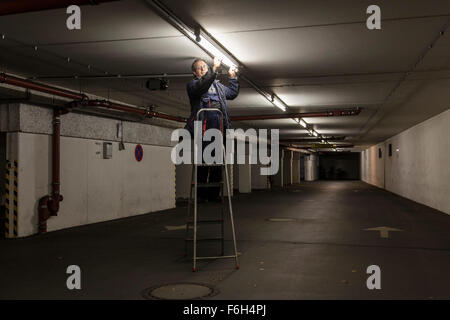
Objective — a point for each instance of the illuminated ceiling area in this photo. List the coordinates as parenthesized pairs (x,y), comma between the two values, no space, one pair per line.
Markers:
(295,57)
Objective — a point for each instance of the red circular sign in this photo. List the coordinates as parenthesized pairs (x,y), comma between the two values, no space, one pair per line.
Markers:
(139,152)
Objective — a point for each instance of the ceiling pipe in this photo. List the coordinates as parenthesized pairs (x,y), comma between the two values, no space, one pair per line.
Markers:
(332,138)
(144,112)
(81,98)
(323,146)
(18,82)
(8,7)
(331,113)
(49,204)
(117,76)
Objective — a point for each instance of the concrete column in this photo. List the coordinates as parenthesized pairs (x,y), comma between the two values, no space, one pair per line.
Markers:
(259,181)
(287,167)
(296,168)
(278,178)
(245,178)
(311,168)
(183,176)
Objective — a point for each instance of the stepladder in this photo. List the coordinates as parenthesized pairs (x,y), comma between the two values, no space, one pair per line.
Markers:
(215,213)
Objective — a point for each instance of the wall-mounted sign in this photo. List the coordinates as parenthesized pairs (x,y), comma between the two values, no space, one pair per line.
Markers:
(139,152)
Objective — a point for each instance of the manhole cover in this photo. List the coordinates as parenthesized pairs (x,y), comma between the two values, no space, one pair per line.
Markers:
(179,291)
(281,219)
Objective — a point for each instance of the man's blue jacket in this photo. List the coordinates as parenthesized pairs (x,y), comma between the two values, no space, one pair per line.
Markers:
(201,96)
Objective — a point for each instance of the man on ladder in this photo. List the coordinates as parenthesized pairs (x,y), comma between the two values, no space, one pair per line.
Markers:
(206,92)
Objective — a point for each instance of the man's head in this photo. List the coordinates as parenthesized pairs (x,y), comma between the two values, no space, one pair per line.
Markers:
(199,68)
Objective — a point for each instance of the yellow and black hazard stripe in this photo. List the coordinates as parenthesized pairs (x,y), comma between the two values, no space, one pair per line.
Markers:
(7,184)
(16,195)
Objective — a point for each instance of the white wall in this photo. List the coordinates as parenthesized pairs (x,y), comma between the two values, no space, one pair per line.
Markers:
(94,189)
(420,169)
(372,167)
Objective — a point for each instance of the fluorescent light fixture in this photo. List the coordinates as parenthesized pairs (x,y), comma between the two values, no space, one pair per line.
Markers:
(278,103)
(302,123)
(215,52)
(314,134)
(323,141)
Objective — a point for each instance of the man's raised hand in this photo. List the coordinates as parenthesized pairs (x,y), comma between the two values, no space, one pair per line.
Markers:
(216,64)
(232,72)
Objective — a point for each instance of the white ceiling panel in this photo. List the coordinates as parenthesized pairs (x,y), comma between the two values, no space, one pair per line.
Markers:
(170,55)
(336,49)
(235,15)
(339,95)
(129,19)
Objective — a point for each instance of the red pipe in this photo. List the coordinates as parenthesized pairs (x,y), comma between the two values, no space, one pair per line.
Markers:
(8,79)
(332,113)
(121,107)
(49,204)
(292,140)
(22,6)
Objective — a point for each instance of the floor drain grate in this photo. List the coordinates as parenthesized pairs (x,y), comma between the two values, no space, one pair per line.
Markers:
(282,219)
(179,291)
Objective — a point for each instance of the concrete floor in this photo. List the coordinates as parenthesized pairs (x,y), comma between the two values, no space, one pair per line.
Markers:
(323,254)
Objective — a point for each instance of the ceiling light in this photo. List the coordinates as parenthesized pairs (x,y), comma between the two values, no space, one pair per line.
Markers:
(302,123)
(207,45)
(315,134)
(278,103)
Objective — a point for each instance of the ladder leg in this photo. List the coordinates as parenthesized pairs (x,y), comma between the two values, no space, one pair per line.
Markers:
(194,268)
(231,209)
(222,219)
(189,212)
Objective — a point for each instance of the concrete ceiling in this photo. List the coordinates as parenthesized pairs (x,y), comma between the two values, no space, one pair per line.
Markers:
(315,55)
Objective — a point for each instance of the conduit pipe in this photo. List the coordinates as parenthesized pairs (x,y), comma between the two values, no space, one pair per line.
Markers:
(331,113)
(82,98)
(144,112)
(49,204)
(22,6)
(306,139)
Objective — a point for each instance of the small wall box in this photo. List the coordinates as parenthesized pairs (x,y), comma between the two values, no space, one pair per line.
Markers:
(107,150)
